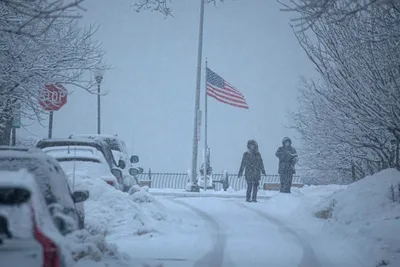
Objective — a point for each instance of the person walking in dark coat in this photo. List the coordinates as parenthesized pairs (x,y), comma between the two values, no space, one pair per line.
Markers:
(287,160)
(253,166)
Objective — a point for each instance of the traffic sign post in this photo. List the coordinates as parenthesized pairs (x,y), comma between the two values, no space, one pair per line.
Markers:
(50,125)
(52,98)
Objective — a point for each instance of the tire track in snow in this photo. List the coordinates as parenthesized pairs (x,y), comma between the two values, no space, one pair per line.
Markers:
(308,259)
(215,256)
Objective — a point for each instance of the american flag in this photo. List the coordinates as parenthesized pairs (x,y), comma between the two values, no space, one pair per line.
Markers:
(222,91)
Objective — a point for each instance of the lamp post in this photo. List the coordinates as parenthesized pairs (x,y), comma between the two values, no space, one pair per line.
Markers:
(98,75)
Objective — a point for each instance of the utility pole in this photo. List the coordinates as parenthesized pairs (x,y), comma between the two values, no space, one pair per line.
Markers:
(194,185)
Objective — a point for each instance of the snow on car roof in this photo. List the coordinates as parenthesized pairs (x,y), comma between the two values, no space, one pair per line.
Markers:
(26,149)
(96,135)
(68,140)
(98,143)
(15,153)
(77,152)
(113,141)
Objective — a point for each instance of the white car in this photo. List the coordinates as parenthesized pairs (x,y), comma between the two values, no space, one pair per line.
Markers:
(118,147)
(82,161)
(53,183)
(120,153)
(28,236)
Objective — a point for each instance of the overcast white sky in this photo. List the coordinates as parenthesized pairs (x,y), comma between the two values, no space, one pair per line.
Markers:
(153,77)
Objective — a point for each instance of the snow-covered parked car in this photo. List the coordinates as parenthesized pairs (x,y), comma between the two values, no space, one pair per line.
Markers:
(82,161)
(28,236)
(100,145)
(118,147)
(65,206)
(121,155)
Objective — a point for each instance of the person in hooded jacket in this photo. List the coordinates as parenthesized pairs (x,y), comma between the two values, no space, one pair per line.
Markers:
(253,166)
(287,156)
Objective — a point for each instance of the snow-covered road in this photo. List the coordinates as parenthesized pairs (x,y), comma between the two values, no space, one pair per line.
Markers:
(327,226)
(217,232)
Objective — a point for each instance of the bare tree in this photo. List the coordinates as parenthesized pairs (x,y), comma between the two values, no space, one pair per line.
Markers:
(348,120)
(312,10)
(162,6)
(36,16)
(63,53)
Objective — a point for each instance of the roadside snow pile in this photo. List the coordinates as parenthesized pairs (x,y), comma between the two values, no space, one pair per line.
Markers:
(369,210)
(360,218)
(300,204)
(93,250)
(111,212)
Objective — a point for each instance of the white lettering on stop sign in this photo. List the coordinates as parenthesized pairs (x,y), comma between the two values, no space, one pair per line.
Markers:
(53,97)
(62,94)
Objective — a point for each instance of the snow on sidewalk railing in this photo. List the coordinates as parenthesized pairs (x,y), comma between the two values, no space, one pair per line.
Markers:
(179,180)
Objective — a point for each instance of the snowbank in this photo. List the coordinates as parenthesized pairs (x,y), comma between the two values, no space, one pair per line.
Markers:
(361,214)
(93,250)
(109,211)
(366,211)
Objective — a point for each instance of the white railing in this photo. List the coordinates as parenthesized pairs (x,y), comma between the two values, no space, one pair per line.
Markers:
(179,180)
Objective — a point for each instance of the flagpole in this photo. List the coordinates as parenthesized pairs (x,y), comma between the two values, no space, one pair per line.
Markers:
(194,185)
(205,130)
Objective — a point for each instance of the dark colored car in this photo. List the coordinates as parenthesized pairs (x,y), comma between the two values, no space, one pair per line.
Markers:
(52,182)
(100,145)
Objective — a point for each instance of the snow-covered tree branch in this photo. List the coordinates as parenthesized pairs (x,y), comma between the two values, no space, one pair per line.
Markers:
(62,53)
(349,120)
(35,17)
(334,10)
(162,6)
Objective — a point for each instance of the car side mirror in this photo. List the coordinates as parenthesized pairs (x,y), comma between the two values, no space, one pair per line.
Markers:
(121,164)
(116,172)
(134,159)
(133,171)
(140,169)
(11,195)
(80,196)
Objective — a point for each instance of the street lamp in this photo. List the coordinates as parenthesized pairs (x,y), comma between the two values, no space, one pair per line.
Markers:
(98,75)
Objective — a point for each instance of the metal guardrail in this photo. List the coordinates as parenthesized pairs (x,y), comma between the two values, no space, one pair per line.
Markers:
(179,180)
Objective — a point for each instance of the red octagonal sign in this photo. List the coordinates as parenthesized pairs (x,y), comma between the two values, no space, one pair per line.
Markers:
(53,97)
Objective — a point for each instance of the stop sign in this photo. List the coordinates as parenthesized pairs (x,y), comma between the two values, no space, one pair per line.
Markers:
(52,97)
